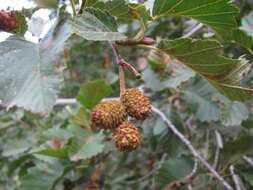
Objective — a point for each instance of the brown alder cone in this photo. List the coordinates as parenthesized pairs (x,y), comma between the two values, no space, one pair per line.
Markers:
(108,115)
(8,21)
(126,137)
(136,103)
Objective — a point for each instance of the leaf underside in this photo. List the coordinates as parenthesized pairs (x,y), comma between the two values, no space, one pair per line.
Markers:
(204,57)
(96,25)
(27,80)
(118,8)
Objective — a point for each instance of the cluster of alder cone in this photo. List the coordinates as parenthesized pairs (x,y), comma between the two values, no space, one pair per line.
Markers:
(114,115)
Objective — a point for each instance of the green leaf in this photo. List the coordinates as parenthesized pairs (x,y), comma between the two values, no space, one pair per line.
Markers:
(247,175)
(39,179)
(96,25)
(43,177)
(248,124)
(159,127)
(26,79)
(92,146)
(234,113)
(207,110)
(219,15)
(87,147)
(243,38)
(173,170)
(13,165)
(121,9)
(154,81)
(118,8)
(211,106)
(47,3)
(247,22)
(17,146)
(93,92)
(233,150)
(57,153)
(22,25)
(84,144)
(204,57)
(59,133)
(141,13)
(82,118)
(28,71)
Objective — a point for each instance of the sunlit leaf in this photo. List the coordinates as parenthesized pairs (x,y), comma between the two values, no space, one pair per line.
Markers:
(219,15)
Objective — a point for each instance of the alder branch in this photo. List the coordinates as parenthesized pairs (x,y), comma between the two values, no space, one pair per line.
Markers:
(65,101)
(193,173)
(192,149)
(122,80)
(217,152)
(132,42)
(83,5)
(179,135)
(152,172)
(219,142)
(186,180)
(236,178)
(121,62)
(73,7)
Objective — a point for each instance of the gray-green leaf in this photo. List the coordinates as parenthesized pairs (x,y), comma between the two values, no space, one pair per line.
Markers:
(93,92)
(96,25)
(173,170)
(28,80)
(204,57)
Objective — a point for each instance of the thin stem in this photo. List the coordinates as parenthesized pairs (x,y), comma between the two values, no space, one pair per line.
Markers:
(248,160)
(235,178)
(152,172)
(120,61)
(132,42)
(122,80)
(192,149)
(73,7)
(141,32)
(250,51)
(129,67)
(83,5)
(187,143)
(219,146)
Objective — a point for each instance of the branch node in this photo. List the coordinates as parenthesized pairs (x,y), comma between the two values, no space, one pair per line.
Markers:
(132,42)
